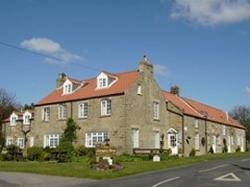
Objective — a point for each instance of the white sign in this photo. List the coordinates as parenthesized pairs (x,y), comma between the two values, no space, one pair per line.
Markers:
(156,158)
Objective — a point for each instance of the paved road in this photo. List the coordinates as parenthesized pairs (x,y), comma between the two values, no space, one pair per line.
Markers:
(231,172)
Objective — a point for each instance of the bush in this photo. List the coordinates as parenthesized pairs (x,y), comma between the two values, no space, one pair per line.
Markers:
(34,153)
(224,149)
(211,150)
(84,151)
(192,153)
(65,151)
(14,153)
(237,149)
(130,158)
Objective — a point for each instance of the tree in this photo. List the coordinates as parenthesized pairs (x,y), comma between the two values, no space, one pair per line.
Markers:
(7,105)
(69,134)
(242,114)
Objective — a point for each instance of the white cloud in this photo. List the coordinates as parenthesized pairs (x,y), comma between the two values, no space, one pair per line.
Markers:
(161,70)
(48,47)
(211,12)
(248,90)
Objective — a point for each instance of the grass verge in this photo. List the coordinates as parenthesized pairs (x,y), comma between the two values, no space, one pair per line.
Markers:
(82,170)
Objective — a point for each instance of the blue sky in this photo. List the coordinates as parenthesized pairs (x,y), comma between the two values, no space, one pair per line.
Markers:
(203,46)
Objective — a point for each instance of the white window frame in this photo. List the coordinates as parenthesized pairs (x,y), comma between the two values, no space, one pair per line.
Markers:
(102,81)
(224,130)
(135,137)
(32,139)
(83,110)
(20,143)
(196,123)
(157,139)
(106,107)
(94,138)
(13,119)
(62,111)
(9,141)
(219,140)
(232,140)
(197,142)
(26,118)
(46,113)
(139,89)
(67,87)
(156,110)
(51,140)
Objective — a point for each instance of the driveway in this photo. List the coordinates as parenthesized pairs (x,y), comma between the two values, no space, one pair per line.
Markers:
(230,172)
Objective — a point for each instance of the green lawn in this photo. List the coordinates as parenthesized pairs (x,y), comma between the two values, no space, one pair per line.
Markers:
(82,170)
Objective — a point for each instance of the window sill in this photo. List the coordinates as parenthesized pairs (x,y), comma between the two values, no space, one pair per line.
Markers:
(156,119)
(105,116)
(62,119)
(82,118)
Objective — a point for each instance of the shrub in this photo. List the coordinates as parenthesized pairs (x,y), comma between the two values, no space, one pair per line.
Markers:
(211,150)
(14,152)
(65,151)
(34,153)
(84,151)
(237,149)
(224,149)
(192,153)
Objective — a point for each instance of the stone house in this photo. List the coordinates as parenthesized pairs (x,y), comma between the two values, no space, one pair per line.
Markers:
(132,111)
(17,129)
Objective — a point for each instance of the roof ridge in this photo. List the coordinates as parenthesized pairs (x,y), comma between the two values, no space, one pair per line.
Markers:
(215,108)
(190,106)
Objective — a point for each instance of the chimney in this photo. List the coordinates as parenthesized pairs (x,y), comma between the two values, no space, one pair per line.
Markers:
(227,116)
(60,79)
(146,67)
(175,90)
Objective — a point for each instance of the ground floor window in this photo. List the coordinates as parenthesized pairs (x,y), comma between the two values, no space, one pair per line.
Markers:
(20,142)
(51,140)
(9,141)
(93,138)
(135,138)
(157,139)
(197,142)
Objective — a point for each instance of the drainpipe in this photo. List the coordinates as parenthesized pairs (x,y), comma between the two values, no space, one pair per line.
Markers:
(183,138)
(206,134)
(71,110)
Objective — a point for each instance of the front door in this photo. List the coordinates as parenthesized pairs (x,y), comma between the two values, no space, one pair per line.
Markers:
(172,141)
(214,144)
(229,144)
(157,139)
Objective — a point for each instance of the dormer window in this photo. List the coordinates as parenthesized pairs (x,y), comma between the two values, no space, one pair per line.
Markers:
(67,87)
(102,81)
(26,118)
(13,119)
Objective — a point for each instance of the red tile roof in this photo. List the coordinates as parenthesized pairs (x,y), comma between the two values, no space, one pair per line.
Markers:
(200,110)
(88,89)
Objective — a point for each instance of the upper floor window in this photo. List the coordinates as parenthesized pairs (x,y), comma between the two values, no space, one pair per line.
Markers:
(62,111)
(105,107)
(102,81)
(156,110)
(13,119)
(196,123)
(224,130)
(83,110)
(46,113)
(26,118)
(67,87)
(139,89)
